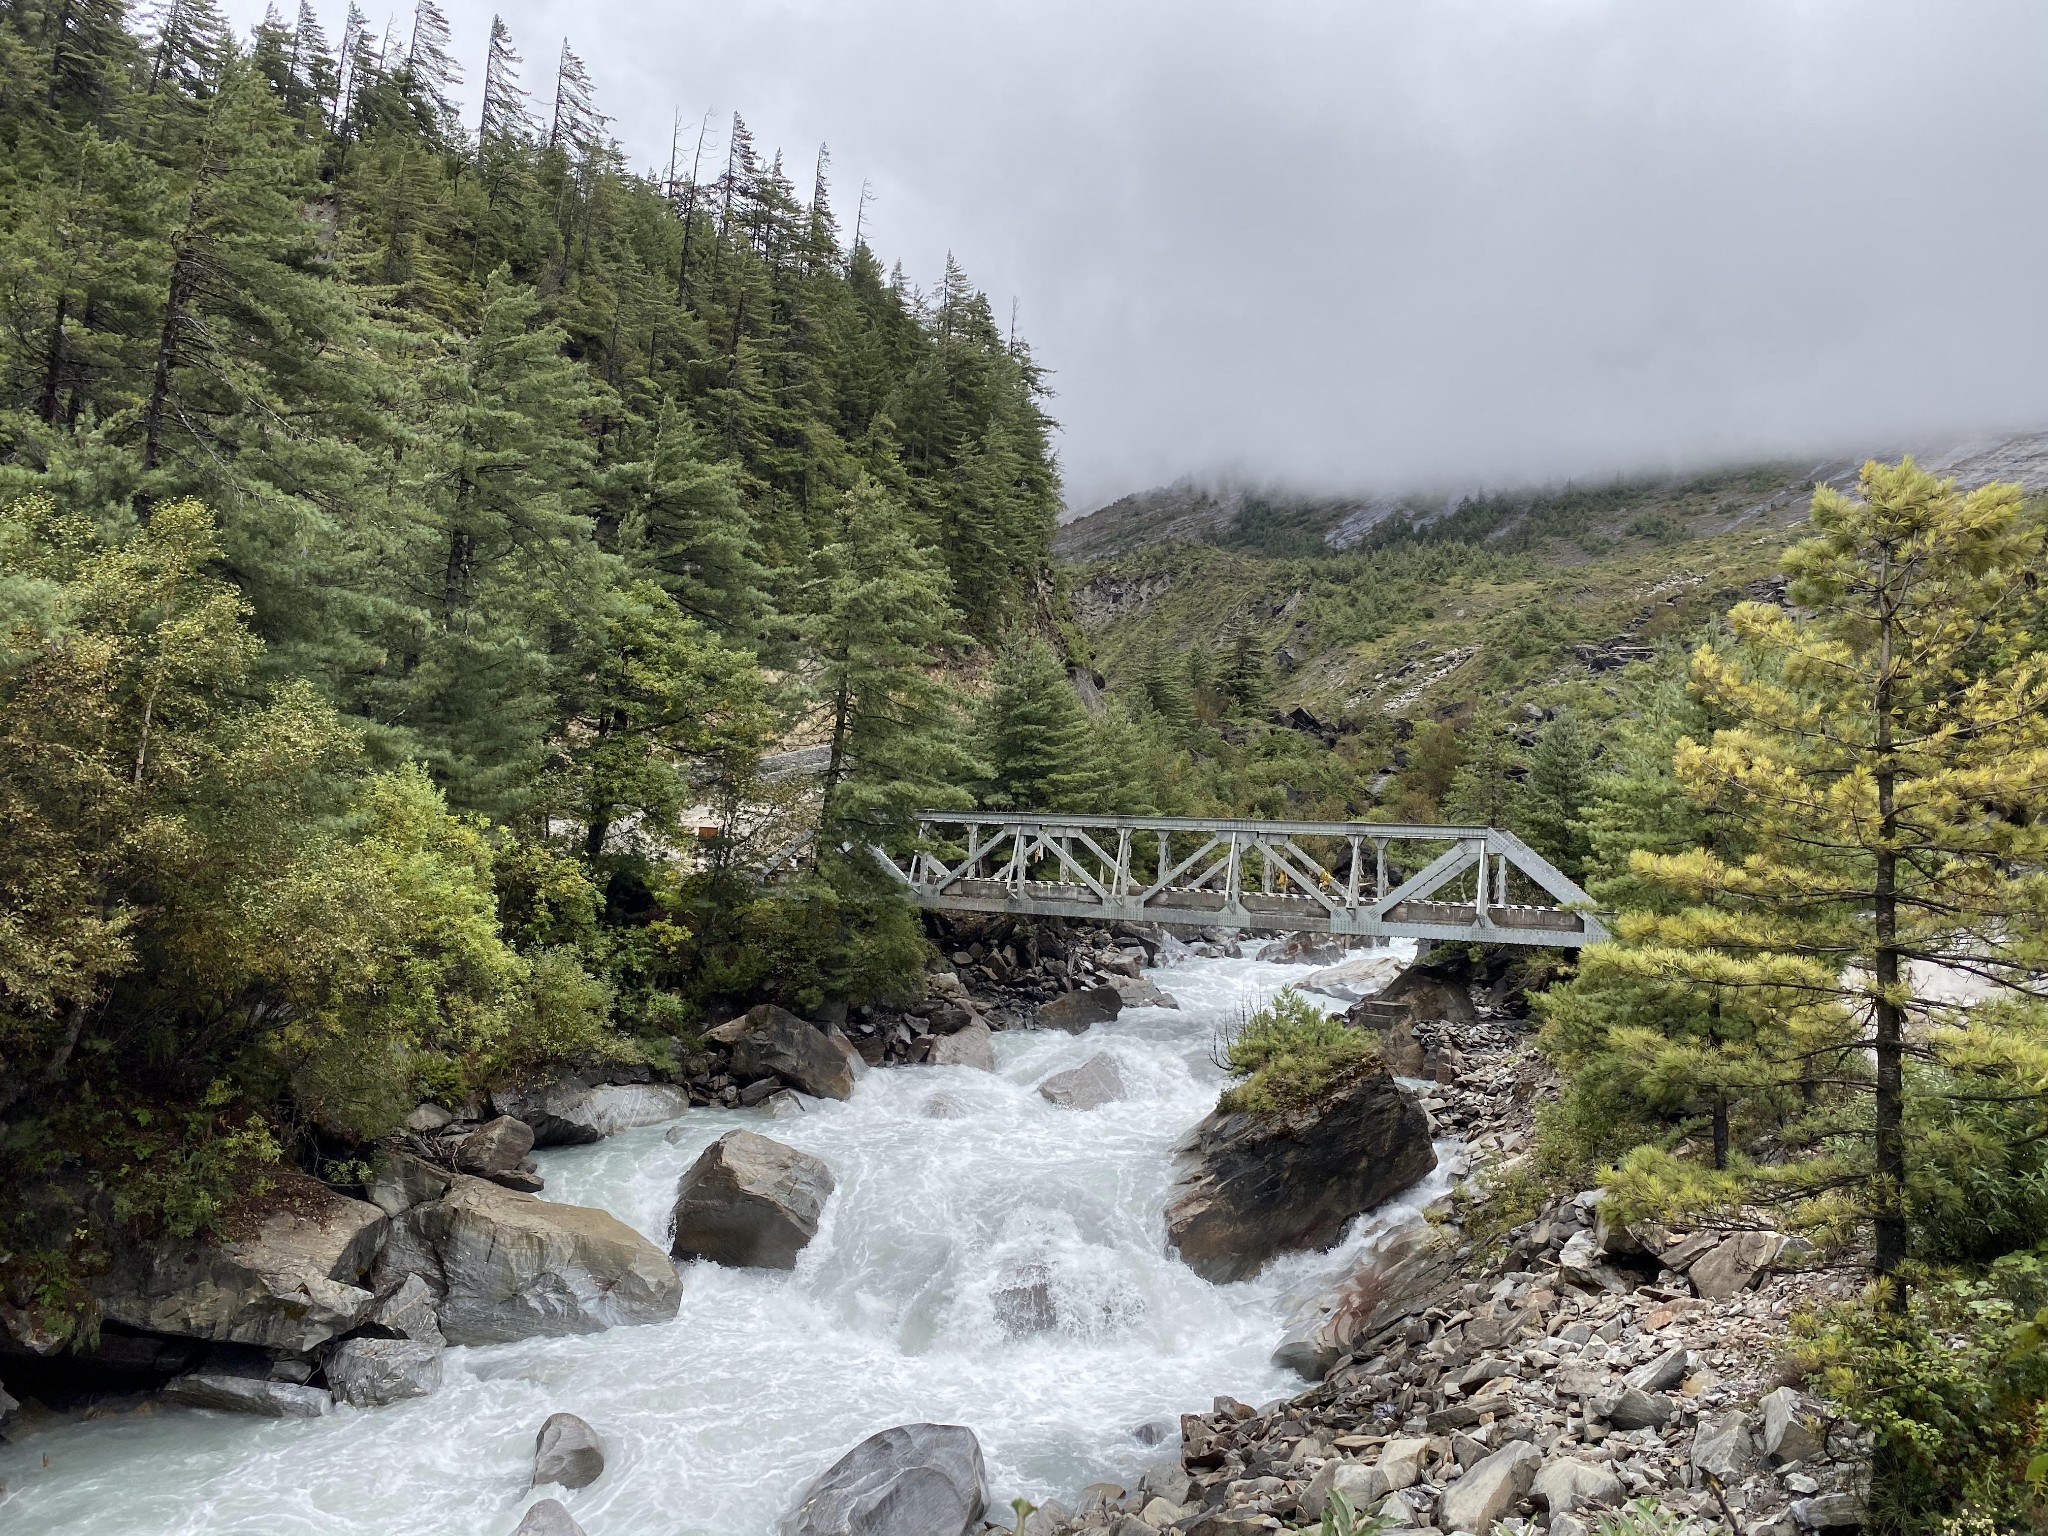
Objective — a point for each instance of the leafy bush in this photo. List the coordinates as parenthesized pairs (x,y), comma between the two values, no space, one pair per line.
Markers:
(1290,1053)
(1954,1393)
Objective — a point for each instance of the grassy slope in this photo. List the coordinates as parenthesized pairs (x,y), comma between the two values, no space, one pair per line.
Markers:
(1425,627)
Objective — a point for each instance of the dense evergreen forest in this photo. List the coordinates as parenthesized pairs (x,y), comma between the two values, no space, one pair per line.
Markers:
(416,530)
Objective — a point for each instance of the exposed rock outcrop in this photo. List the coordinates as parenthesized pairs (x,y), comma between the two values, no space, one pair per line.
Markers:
(913,1480)
(1251,1187)
(293,1283)
(768,1041)
(749,1202)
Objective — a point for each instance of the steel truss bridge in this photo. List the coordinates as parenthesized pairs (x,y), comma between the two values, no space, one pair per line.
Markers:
(1470,884)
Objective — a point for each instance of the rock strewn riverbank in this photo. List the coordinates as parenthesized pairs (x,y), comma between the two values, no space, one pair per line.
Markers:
(1552,1374)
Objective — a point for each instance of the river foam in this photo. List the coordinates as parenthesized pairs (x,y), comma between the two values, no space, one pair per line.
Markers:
(987,1259)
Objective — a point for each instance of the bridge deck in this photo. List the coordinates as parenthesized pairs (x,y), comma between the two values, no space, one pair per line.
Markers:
(1474,884)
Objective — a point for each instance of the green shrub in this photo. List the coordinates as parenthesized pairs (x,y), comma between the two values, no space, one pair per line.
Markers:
(1954,1394)
(1291,1053)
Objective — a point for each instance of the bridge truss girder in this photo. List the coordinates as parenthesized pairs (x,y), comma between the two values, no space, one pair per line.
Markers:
(1245,874)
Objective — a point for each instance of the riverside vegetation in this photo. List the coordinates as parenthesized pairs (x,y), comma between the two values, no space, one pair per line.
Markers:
(417,530)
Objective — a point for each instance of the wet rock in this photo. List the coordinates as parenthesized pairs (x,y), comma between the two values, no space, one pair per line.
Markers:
(1567,1484)
(498,1146)
(409,1312)
(749,1202)
(1354,979)
(371,1373)
(511,1266)
(1252,1187)
(770,1041)
(567,1451)
(1733,1264)
(973,1047)
(1721,1445)
(1490,1489)
(291,1284)
(1790,1432)
(1074,1012)
(572,1113)
(1396,1280)
(913,1480)
(1096,1082)
(1137,992)
(548,1518)
(1023,1301)
(246,1394)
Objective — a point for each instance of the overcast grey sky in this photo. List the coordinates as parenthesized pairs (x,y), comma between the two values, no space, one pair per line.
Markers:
(1351,245)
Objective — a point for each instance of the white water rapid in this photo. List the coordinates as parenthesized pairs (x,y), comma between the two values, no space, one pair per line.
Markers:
(951,1183)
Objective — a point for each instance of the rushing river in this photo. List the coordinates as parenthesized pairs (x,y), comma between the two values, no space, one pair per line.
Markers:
(953,1185)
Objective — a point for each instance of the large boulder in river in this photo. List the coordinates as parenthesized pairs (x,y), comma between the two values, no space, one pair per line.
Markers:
(972,1046)
(749,1203)
(567,1451)
(1396,1280)
(512,1266)
(1355,977)
(913,1480)
(768,1041)
(1074,1012)
(1091,1085)
(1253,1186)
(293,1283)
(569,1112)
(548,1518)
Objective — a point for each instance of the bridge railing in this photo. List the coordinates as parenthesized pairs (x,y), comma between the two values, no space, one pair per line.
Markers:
(1460,883)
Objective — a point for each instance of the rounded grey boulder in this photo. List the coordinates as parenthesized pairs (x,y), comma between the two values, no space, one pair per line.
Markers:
(1091,1085)
(913,1480)
(749,1203)
(548,1518)
(567,1451)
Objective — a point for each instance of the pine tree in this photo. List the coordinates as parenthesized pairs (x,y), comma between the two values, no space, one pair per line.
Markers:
(1037,739)
(575,121)
(502,550)
(1244,675)
(1485,791)
(876,617)
(1557,794)
(1882,753)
